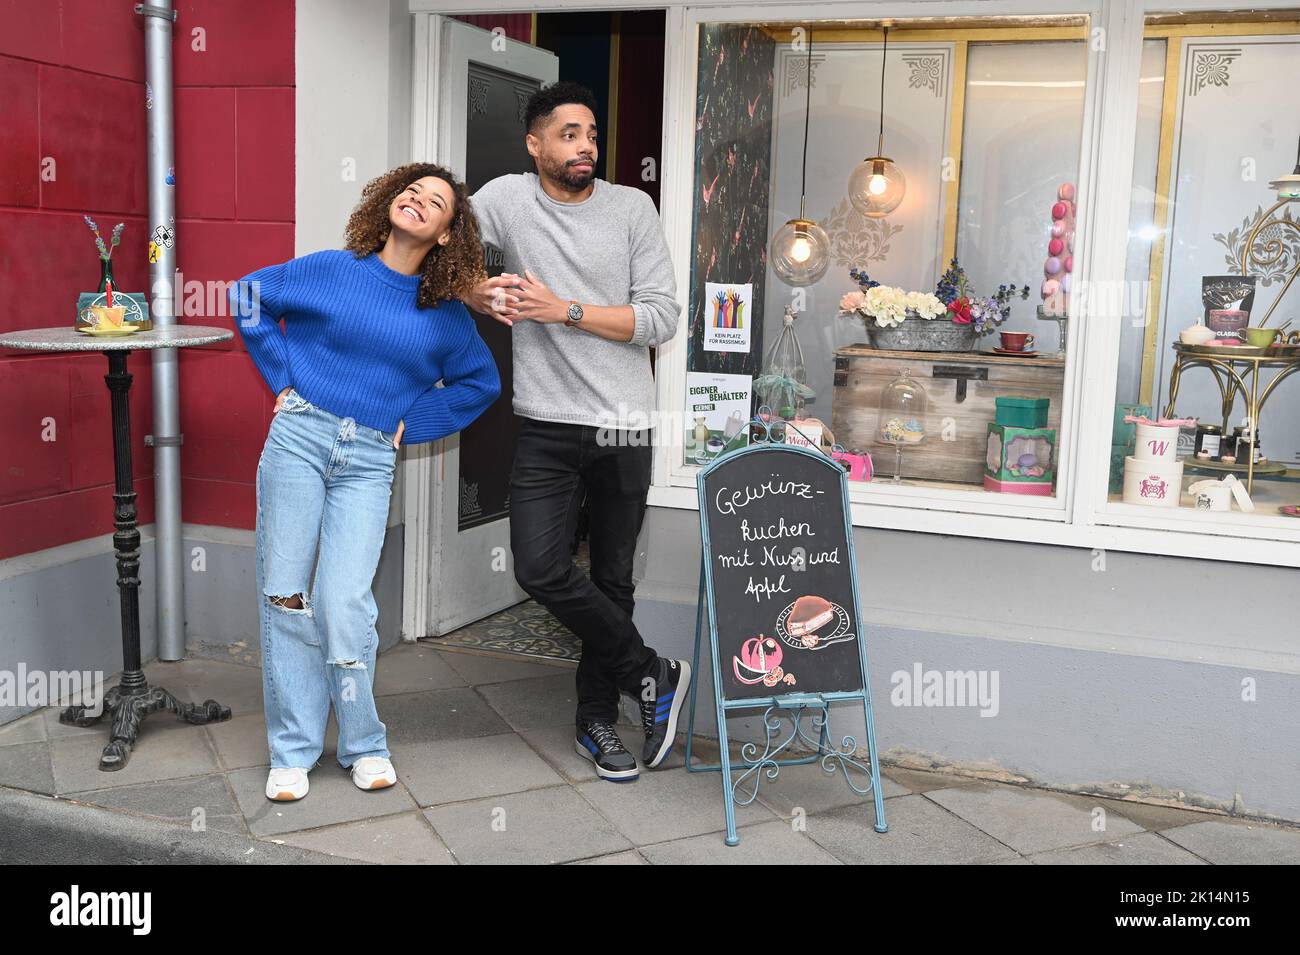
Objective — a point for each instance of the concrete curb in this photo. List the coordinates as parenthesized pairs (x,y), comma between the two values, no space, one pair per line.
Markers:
(44,830)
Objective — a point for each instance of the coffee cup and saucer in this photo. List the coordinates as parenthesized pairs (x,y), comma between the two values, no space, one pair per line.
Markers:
(106,321)
(1016,343)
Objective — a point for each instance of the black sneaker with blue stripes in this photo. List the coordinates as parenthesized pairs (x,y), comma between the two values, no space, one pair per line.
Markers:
(661,703)
(599,743)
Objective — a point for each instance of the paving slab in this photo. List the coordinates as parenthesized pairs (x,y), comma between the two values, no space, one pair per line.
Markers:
(1146,848)
(920,832)
(457,770)
(457,713)
(405,839)
(25,729)
(1032,820)
(540,826)
(413,668)
(478,670)
(157,755)
(768,843)
(27,766)
(539,701)
(666,805)
(1232,843)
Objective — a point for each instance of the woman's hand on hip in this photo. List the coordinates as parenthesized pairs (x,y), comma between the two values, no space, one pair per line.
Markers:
(280,398)
(397,438)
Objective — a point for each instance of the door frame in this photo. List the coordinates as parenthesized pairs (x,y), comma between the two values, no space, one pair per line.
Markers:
(425,467)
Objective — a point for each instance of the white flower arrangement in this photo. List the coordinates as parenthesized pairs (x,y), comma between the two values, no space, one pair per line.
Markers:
(888,306)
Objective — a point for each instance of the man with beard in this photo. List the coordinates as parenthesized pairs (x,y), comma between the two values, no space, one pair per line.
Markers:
(590,289)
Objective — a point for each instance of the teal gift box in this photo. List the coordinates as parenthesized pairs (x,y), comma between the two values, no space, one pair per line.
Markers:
(136,305)
(1118,452)
(1021,412)
(1124,434)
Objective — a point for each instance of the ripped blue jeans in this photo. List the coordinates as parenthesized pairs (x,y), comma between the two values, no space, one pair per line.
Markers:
(323,490)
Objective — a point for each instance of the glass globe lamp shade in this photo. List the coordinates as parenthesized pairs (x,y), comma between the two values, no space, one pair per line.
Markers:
(877,186)
(800,252)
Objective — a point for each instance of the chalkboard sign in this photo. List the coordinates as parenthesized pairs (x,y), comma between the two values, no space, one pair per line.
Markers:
(779,573)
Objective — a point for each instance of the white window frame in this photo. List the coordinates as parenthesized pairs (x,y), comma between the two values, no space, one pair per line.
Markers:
(1079,515)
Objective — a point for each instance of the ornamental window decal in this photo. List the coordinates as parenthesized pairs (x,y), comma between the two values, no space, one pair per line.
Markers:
(927,71)
(1210,66)
(796,71)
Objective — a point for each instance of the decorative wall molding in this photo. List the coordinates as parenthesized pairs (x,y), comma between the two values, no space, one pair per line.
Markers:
(478,89)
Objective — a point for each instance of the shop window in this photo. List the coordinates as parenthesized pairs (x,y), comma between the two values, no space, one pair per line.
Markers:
(983,119)
(1213,255)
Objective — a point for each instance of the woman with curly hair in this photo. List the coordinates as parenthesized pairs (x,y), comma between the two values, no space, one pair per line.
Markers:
(368,332)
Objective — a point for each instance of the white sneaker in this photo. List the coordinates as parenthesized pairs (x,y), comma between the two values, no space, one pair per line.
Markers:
(286,785)
(373,772)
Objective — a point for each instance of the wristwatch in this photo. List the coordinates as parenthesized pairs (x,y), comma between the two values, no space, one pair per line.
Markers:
(574,313)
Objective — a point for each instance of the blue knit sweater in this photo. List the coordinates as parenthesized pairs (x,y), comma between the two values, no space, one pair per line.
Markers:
(355,344)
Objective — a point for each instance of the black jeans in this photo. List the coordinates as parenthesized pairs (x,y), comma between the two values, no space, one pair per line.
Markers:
(552,461)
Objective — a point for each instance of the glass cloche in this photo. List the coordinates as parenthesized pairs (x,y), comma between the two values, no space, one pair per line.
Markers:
(903,415)
(783,385)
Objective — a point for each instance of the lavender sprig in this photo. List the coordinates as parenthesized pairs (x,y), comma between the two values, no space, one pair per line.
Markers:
(105,252)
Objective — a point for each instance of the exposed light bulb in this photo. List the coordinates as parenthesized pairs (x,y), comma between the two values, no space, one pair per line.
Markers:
(877,185)
(800,249)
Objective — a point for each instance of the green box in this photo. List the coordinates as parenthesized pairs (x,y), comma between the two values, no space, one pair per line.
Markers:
(1021,412)
(1118,452)
(1124,433)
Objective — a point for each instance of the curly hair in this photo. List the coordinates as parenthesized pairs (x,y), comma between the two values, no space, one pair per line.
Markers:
(448,271)
(543,102)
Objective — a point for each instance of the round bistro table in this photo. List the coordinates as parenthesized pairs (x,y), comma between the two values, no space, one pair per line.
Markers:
(127,704)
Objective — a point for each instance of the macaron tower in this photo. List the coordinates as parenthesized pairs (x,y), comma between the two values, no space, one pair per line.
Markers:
(1059,264)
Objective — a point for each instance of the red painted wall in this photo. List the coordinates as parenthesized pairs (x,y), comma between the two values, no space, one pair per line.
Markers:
(73,76)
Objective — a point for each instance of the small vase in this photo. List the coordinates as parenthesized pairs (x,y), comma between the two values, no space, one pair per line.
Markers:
(106,274)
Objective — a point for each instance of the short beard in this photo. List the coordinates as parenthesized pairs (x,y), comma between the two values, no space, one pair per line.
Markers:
(573,182)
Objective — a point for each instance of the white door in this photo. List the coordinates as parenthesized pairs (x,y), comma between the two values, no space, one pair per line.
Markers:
(469,93)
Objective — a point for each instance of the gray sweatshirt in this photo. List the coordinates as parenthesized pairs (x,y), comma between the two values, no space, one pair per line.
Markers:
(608,249)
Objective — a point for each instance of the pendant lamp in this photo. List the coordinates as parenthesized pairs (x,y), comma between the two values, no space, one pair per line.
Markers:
(1288,186)
(800,250)
(877,185)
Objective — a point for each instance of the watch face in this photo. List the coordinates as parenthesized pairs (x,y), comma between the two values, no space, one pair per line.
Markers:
(575,312)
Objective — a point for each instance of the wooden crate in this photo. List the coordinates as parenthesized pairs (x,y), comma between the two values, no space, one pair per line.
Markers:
(862,371)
